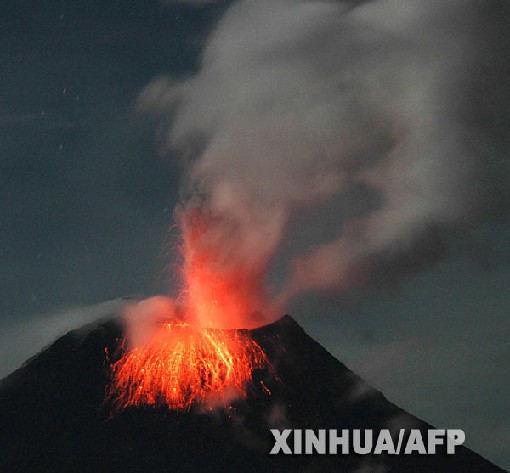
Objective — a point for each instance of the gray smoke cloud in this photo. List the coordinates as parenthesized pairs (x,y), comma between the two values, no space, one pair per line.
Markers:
(22,340)
(335,140)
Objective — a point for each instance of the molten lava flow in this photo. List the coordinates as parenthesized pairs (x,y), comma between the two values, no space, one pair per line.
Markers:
(184,365)
(194,359)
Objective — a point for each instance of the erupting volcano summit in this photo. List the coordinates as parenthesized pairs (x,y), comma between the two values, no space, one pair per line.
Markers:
(184,365)
(54,416)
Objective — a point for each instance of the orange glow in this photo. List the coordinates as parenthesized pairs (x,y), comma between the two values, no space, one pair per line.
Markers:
(222,290)
(197,357)
(184,365)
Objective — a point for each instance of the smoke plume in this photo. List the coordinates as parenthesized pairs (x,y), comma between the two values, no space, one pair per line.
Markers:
(325,143)
(22,340)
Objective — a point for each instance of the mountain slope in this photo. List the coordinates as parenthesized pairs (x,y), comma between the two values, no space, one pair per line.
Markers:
(53,416)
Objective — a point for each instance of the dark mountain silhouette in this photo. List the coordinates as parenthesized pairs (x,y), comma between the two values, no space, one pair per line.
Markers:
(53,416)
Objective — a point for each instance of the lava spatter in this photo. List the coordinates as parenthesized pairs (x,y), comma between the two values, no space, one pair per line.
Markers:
(185,365)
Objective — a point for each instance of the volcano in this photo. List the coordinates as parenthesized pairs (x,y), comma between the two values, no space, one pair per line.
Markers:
(54,417)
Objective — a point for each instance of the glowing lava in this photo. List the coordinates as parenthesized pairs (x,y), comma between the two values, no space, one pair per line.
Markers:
(184,365)
(194,358)
(224,287)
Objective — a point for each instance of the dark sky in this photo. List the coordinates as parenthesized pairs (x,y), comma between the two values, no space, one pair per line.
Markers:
(86,203)
(85,199)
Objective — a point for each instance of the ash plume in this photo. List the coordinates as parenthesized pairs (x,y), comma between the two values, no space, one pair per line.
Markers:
(325,143)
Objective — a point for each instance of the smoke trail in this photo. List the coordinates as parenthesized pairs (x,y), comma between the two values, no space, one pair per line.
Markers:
(22,340)
(323,141)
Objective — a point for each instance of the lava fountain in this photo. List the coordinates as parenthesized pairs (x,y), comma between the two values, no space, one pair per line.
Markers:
(185,365)
(179,354)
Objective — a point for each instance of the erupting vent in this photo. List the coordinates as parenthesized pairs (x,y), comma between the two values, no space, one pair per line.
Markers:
(183,365)
(200,356)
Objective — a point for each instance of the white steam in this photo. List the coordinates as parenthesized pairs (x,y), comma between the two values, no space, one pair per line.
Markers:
(330,133)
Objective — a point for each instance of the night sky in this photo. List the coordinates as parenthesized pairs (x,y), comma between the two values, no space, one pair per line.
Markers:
(87,200)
